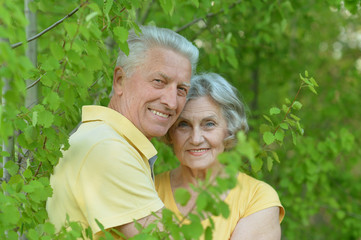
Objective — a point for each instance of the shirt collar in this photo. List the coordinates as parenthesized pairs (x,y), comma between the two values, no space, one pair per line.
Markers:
(121,125)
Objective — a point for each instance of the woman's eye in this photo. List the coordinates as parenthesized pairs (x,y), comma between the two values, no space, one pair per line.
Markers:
(182,124)
(210,124)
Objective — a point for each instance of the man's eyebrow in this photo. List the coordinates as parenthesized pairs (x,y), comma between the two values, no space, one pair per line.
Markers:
(186,84)
(166,77)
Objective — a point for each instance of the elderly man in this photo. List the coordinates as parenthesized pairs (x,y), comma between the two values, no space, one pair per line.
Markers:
(106,174)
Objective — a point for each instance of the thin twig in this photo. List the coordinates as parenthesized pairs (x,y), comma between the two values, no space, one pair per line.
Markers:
(209,15)
(51,27)
(289,109)
(111,20)
(34,83)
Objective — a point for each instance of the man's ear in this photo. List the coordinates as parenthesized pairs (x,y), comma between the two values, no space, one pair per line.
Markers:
(118,80)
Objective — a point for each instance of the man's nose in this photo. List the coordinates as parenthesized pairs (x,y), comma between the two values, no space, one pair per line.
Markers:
(169,97)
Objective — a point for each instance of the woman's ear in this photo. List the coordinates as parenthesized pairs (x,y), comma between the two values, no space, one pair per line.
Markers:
(118,80)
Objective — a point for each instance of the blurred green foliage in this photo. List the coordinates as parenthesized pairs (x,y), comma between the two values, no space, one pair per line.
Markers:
(310,155)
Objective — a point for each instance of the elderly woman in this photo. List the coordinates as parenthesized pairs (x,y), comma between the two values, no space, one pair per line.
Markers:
(208,126)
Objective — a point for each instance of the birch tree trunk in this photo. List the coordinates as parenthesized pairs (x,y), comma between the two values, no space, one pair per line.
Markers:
(31,52)
(6,146)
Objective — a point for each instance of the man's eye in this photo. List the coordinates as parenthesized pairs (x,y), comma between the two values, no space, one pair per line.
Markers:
(182,91)
(158,81)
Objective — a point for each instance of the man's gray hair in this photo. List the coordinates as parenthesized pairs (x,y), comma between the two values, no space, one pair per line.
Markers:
(226,96)
(155,37)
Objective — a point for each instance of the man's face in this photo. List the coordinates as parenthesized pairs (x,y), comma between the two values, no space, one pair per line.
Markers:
(154,95)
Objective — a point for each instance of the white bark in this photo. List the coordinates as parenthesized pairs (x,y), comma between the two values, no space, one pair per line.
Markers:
(9,146)
(31,52)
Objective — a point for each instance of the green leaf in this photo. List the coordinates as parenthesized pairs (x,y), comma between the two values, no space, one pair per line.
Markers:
(45,118)
(275,156)
(71,28)
(10,213)
(12,167)
(224,209)
(300,129)
(5,154)
(268,138)
(279,135)
(268,119)
(196,3)
(257,164)
(56,50)
(167,6)
(193,230)
(231,57)
(297,105)
(93,62)
(53,100)
(31,133)
(35,118)
(208,233)
(107,6)
(91,15)
(284,126)
(269,163)
(49,228)
(294,139)
(295,117)
(121,34)
(274,111)
(313,81)
(285,108)
(48,79)
(202,201)
(124,47)
(51,64)
(182,196)
(312,89)
(28,173)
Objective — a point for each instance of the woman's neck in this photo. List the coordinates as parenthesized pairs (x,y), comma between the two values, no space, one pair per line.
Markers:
(183,176)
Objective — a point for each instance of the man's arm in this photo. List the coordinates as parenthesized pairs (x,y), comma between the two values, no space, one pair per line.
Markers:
(262,225)
(129,229)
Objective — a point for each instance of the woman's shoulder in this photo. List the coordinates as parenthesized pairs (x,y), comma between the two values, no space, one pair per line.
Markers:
(252,184)
(161,179)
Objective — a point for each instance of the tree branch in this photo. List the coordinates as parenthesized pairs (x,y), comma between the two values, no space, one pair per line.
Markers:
(209,15)
(51,27)
(111,20)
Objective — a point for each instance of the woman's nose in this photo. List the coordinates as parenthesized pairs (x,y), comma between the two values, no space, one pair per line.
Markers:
(197,136)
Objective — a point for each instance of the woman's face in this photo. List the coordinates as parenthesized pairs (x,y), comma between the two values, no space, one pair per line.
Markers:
(197,136)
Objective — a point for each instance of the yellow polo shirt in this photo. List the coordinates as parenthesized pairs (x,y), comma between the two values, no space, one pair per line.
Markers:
(105,174)
(249,196)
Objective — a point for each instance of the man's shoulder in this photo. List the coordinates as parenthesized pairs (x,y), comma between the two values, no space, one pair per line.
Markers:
(98,136)
(95,132)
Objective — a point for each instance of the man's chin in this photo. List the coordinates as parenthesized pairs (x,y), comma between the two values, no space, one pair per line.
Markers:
(157,132)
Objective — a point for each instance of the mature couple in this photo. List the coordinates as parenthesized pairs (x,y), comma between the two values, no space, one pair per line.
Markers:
(107,173)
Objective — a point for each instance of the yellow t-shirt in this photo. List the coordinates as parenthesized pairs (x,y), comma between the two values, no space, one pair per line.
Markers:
(249,196)
(105,174)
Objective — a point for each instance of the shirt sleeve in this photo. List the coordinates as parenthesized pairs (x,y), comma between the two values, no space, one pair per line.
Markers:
(115,185)
(261,197)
